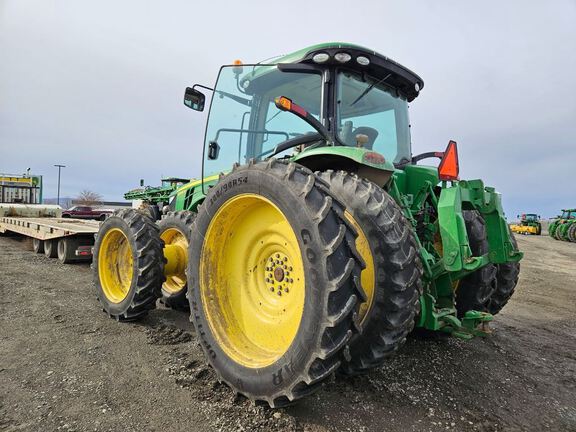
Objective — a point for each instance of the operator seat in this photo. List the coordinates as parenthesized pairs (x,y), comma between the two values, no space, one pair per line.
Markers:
(371,133)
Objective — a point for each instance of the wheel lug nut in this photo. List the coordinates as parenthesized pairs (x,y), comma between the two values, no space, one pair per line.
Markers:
(285,289)
(272,289)
(284,267)
(279,293)
(277,255)
(285,258)
(290,268)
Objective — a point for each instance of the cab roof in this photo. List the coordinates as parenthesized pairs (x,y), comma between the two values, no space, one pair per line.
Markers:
(380,66)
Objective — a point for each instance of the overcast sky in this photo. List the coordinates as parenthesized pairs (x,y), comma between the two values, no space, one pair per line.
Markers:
(98,85)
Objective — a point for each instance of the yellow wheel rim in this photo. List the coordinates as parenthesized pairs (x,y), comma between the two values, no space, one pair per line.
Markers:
(176,254)
(115,265)
(368,275)
(252,280)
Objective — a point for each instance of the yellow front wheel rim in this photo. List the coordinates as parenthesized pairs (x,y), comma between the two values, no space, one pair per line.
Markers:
(368,275)
(115,267)
(252,280)
(176,254)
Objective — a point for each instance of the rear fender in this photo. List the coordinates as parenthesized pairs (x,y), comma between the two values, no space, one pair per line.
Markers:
(366,163)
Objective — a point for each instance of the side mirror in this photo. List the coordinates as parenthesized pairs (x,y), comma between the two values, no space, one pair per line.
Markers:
(213,150)
(194,99)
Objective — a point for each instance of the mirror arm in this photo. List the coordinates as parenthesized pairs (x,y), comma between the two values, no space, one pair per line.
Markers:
(201,86)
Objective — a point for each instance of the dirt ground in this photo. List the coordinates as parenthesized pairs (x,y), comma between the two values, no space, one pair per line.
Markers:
(64,365)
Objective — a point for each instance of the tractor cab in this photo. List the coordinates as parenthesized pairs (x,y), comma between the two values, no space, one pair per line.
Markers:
(530,217)
(331,95)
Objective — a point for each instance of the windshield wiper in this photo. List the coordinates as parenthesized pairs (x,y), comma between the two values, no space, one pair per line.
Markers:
(370,87)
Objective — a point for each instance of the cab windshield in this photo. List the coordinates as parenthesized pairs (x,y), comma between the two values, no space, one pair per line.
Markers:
(244,121)
(367,106)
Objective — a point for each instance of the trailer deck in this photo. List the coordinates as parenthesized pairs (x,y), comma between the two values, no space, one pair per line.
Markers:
(48,228)
(67,239)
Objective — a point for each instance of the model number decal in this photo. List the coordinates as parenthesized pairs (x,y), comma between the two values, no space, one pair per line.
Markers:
(226,186)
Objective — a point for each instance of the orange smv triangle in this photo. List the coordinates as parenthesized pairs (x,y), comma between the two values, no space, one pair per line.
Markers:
(448,168)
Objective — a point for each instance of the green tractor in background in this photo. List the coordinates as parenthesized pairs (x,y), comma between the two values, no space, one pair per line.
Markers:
(564,226)
(315,240)
(529,224)
(154,198)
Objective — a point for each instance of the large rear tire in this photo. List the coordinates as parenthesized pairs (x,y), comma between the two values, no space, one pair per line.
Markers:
(127,265)
(506,281)
(392,277)
(273,281)
(572,232)
(563,231)
(474,291)
(175,229)
(552,229)
(558,231)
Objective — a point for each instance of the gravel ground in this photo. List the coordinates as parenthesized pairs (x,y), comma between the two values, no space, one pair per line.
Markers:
(65,366)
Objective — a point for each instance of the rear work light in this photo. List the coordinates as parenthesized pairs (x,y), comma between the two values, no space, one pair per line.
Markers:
(449,169)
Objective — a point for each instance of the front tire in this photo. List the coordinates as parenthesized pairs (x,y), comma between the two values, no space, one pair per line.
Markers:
(392,277)
(127,265)
(273,278)
(175,230)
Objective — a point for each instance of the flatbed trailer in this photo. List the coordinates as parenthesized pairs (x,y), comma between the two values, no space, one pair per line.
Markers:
(69,240)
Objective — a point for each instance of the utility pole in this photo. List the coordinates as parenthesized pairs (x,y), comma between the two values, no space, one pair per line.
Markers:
(59,168)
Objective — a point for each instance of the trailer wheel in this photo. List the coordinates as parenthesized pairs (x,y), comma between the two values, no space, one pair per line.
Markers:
(274,281)
(175,229)
(392,277)
(51,248)
(127,265)
(67,250)
(38,245)
(474,291)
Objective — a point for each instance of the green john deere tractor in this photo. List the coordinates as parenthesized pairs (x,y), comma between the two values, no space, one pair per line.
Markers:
(529,224)
(564,226)
(153,198)
(315,240)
